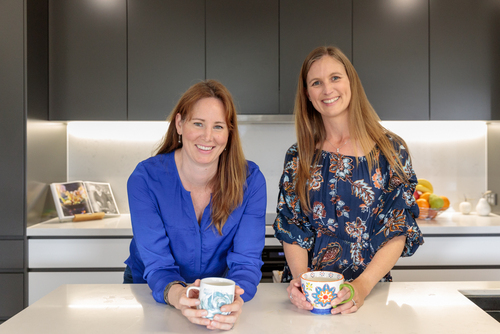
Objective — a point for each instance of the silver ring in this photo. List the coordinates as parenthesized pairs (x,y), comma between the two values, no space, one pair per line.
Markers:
(353,302)
(291,297)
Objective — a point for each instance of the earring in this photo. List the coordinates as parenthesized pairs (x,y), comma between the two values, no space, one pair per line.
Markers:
(180,141)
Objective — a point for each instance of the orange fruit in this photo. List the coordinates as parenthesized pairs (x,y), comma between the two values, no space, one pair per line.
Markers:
(446,204)
(422,203)
(423,206)
(425,196)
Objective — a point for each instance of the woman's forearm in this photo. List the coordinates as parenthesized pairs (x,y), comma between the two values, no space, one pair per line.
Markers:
(383,261)
(296,258)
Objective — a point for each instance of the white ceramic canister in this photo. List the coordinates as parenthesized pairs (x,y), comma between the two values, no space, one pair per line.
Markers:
(482,207)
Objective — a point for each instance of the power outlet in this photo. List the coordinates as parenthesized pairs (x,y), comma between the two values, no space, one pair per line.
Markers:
(491,198)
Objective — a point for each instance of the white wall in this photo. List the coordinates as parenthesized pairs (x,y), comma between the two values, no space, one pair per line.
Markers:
(452,155)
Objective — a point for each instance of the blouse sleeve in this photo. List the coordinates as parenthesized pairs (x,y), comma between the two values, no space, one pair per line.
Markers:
(244,260)
(151,238)
(291,225)
(398,210)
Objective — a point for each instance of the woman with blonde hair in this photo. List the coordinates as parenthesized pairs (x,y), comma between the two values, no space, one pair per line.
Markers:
(346,194)
(198,208)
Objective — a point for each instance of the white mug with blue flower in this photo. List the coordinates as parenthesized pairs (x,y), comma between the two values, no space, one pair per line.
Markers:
(214,292)
(321,287)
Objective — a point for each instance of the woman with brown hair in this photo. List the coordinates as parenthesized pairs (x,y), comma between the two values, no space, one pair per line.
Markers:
(198,208)
(346,194)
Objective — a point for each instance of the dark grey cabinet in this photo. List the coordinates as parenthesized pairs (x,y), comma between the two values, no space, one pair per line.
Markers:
(166,54)
(242,52)
(465,60)
(12,118)
(12,287)
(87,60)
(391,56)
(12,137)
(305,25)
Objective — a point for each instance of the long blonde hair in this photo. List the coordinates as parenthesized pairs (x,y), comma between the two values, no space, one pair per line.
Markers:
(229,182)
(364,125)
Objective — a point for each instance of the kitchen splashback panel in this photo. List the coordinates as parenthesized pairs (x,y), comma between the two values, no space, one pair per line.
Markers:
(452,155)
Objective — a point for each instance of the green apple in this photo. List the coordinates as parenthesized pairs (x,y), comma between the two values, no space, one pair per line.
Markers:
(435,201)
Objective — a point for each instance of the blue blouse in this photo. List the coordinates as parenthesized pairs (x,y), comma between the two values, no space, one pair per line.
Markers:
(168,242)
(354,211)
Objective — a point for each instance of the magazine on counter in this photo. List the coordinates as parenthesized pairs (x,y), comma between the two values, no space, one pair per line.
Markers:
(81,197)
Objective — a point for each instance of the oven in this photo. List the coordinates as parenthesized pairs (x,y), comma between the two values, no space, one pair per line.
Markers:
(273,256)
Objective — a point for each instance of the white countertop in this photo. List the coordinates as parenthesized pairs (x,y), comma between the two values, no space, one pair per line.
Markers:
(391,308)
(446,223)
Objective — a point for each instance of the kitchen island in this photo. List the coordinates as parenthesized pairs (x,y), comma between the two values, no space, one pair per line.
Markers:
(424,307)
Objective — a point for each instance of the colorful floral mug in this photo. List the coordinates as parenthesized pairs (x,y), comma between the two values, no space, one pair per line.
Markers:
(214,292)
(321,287)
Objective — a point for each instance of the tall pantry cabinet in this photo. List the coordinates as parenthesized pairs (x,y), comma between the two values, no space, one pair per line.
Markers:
(12,138)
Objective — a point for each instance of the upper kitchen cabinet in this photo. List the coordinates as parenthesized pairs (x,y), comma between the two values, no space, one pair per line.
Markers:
(305,25)
(391,56)
(242,52)
(166,54)
(87,60)
(465,59)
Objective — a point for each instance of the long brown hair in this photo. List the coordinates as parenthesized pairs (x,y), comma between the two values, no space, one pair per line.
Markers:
(364,125)
(229,182)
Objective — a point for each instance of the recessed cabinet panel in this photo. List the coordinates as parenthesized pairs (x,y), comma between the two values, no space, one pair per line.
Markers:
(242,52)
(11,294)
(87,60)
(305,25)
(465,59)
(391,56)
(166,54)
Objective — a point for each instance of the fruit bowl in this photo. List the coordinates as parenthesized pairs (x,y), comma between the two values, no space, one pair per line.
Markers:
(429,213)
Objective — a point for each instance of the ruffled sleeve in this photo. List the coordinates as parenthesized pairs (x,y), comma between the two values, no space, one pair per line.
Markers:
(291,225)
(398,210)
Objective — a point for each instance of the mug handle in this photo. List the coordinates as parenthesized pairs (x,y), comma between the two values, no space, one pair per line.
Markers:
(349,286)
(194,288)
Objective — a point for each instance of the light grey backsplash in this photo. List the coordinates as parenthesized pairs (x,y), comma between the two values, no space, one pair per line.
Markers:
(452,155)
(46,144)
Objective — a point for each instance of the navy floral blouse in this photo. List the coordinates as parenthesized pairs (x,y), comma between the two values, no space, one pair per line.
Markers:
(354,213)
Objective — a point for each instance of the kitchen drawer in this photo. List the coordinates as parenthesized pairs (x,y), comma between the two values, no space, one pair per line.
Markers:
(78,253)
(41,283)
(445,275)
(455,251)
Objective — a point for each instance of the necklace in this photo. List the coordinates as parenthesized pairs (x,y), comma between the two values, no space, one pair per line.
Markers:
(338,148)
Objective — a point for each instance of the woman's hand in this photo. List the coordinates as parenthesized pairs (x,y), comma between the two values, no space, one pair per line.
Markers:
(227,322)
(354,304)
(296,296)
(187,306)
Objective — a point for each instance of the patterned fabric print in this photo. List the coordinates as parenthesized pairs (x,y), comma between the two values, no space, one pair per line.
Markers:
(354,212)
(327,256)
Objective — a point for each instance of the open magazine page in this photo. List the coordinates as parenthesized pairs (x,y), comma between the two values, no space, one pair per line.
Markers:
(79,197)
(70,198)
(101,198)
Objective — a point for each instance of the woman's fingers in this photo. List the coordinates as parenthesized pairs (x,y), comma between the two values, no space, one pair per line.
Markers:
(349,307)
(296,296)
